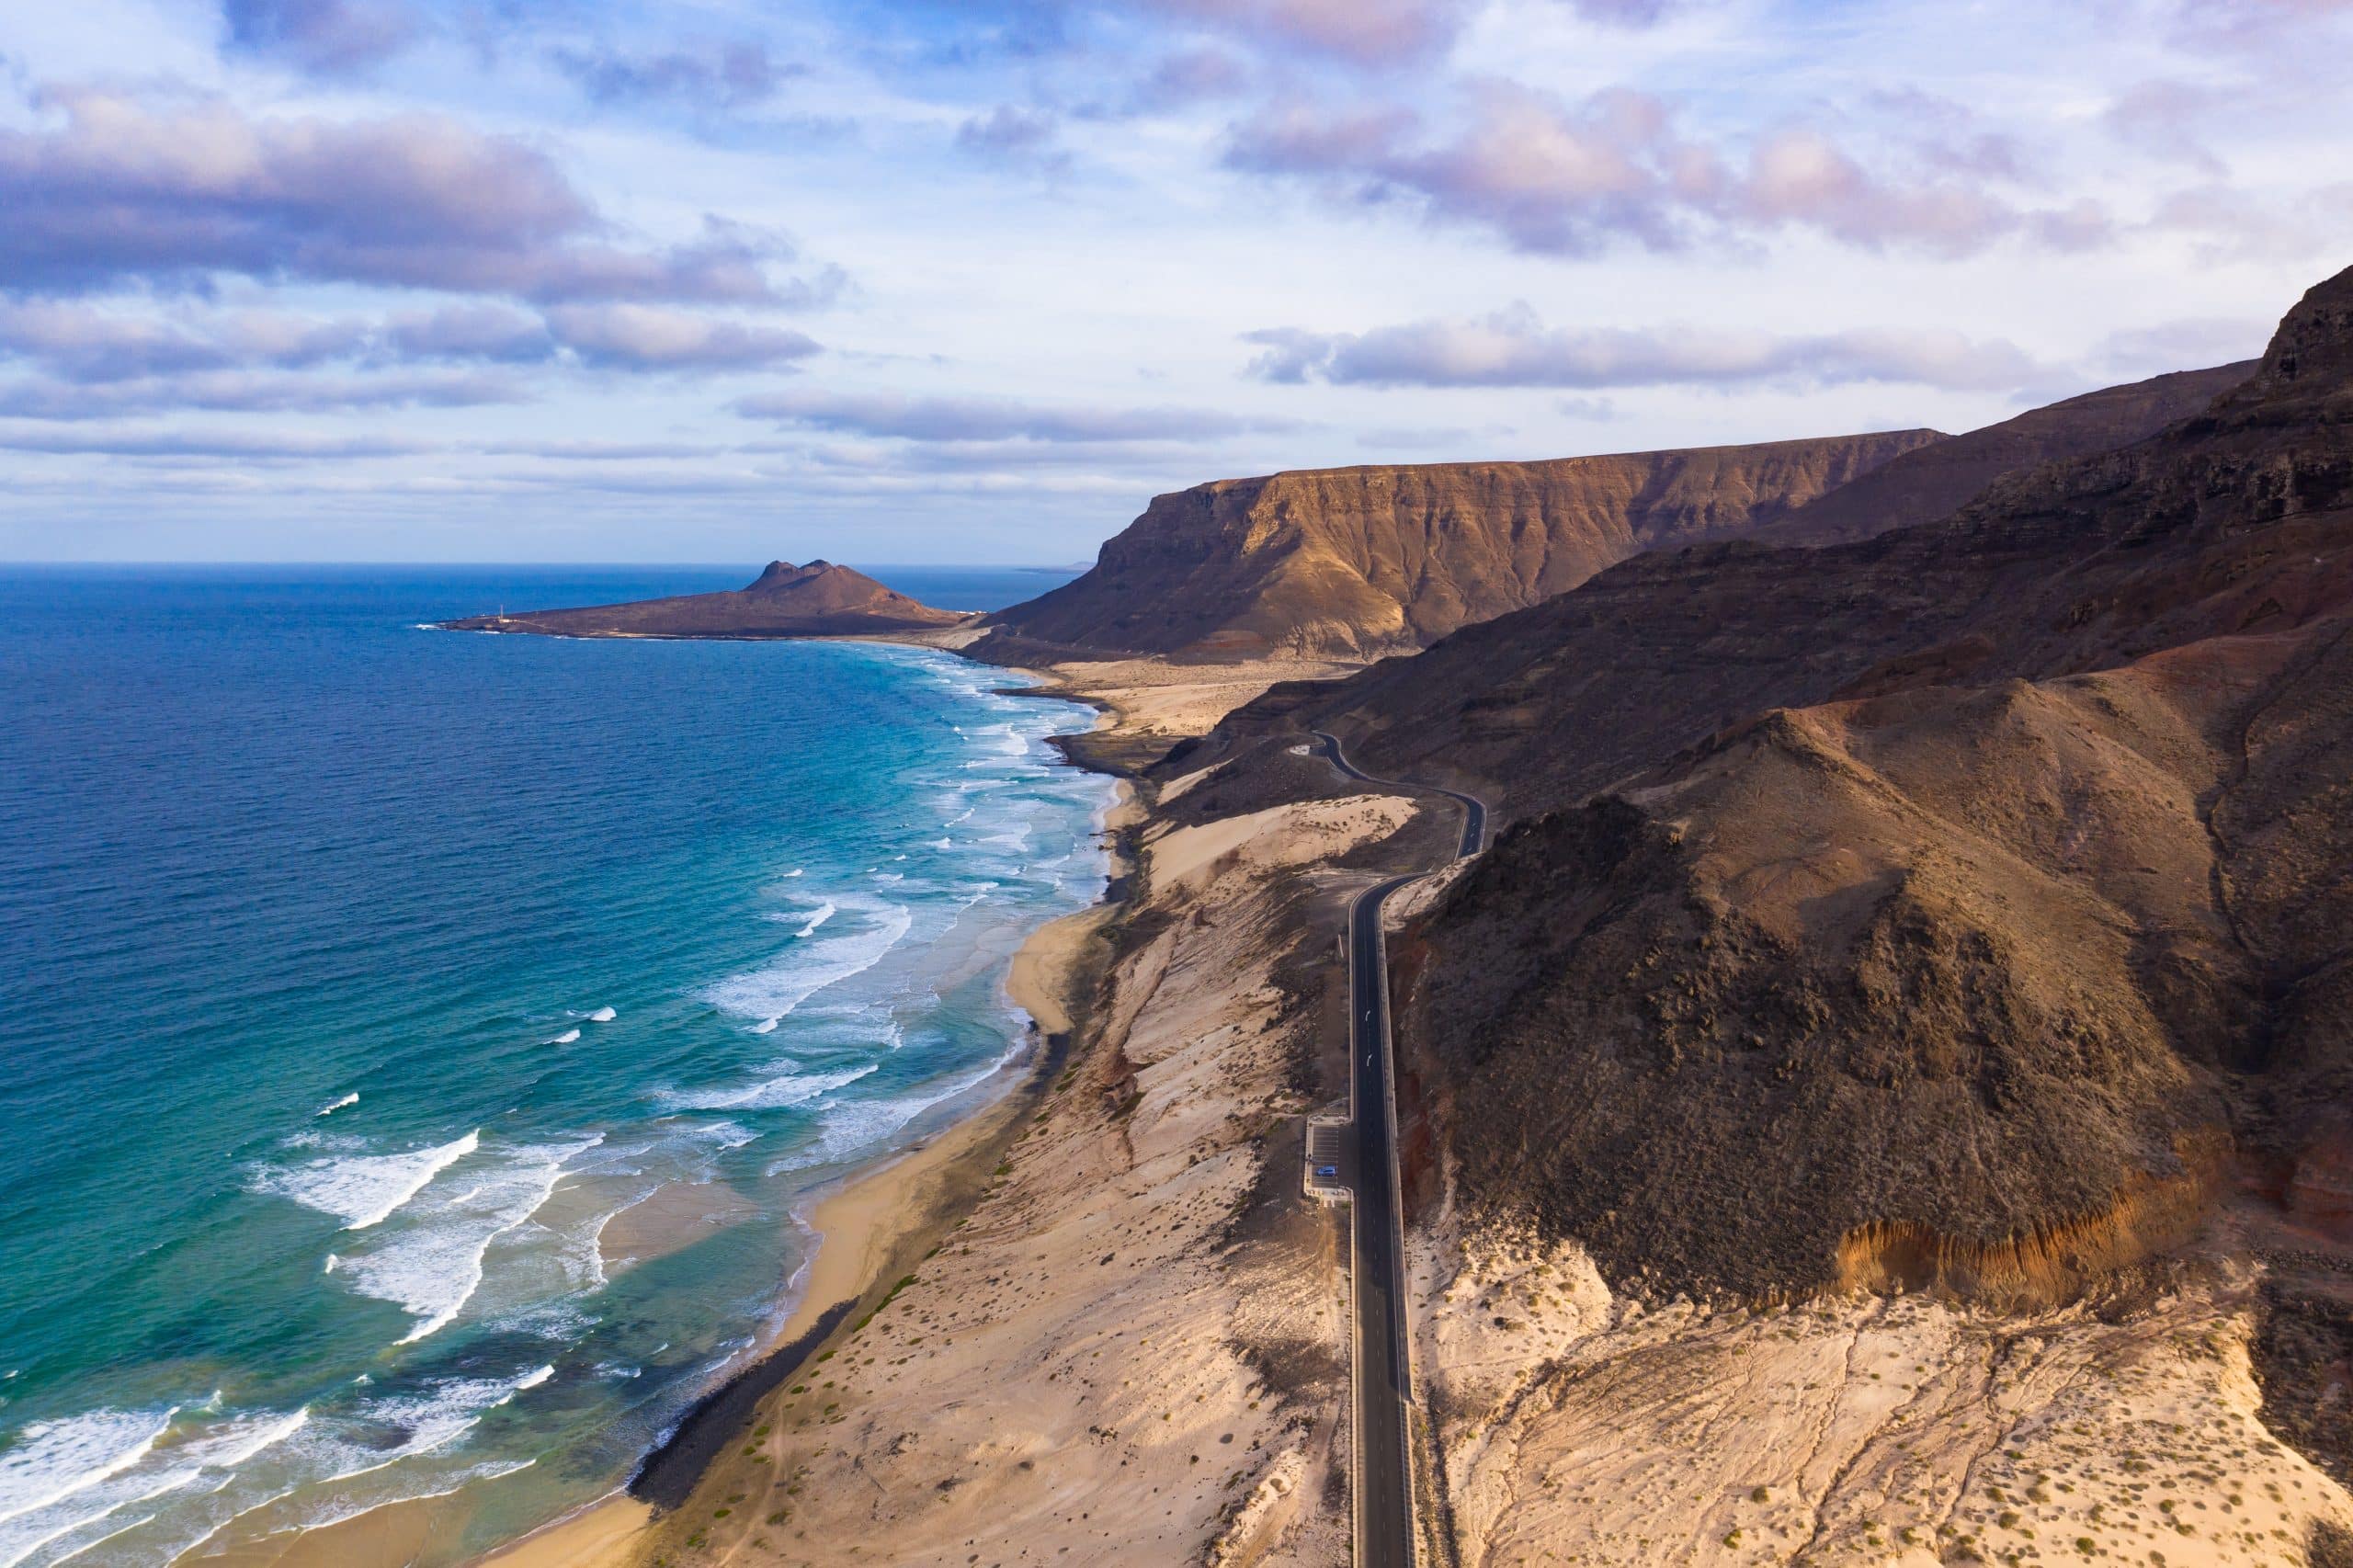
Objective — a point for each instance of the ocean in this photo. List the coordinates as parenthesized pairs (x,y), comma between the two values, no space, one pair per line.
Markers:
(418,1044)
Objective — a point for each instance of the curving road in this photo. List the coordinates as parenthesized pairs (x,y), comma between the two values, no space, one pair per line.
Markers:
(1384,1368)
(1474,810)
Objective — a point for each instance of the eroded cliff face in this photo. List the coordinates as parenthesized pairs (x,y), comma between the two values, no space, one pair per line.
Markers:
(1355,562)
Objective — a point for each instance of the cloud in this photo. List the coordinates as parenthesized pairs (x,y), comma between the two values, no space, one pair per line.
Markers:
(2229,223)
(324,37)
(240,445)
(1015,137)
(1567,178)
(598,452)
(497,333)
(82,343)
(124,191)
(2184,344)
(2156,119)
(1624,12)
(2256,24)
(1414,438)
(1512,347)
(724,75)
(1191,76)
(1365,33)
(949,419)
(646,338)
(251,391)
(93,360)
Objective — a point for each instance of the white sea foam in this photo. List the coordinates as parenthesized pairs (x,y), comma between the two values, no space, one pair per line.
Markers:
(349,1099)
(434,1265)
(57,1460)
(766,1025)
(532,1379)
(365,1189)
(805,969)
(856,1128)
(794,873)
(826,912)
(566,1037)
(787,1089)
(603,1015)
(148,1470)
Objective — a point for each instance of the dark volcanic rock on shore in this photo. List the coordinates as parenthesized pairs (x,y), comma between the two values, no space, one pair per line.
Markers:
(1960,906)
(820,599)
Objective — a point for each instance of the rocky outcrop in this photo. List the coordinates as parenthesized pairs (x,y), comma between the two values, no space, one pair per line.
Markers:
(820,599)
(1360,561)
(1952,906)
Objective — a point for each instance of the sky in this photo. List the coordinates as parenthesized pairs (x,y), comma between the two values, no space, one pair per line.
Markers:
(596,280)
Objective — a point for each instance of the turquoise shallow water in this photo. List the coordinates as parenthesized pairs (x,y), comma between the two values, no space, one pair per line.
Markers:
(417,1043)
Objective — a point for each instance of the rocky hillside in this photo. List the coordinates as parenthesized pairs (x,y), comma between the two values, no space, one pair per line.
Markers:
(1359,561)
(1960,905)
(820,599)
(1935,481)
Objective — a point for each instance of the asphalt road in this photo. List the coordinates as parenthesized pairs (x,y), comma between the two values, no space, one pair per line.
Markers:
(1384,1379)
(1475,810)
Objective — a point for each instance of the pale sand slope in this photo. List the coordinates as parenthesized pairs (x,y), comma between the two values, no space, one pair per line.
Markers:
(1164,702)
(1134,1352)
(1577,1428)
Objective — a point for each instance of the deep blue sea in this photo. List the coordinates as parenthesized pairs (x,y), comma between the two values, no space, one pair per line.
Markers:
(414,1045)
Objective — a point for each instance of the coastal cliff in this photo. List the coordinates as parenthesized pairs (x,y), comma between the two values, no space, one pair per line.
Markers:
(1352,563)
(819,600)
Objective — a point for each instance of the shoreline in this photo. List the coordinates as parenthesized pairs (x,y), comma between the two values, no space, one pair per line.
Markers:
(874,1226)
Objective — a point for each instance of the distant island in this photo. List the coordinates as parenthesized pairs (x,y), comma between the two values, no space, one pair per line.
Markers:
(819,600)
